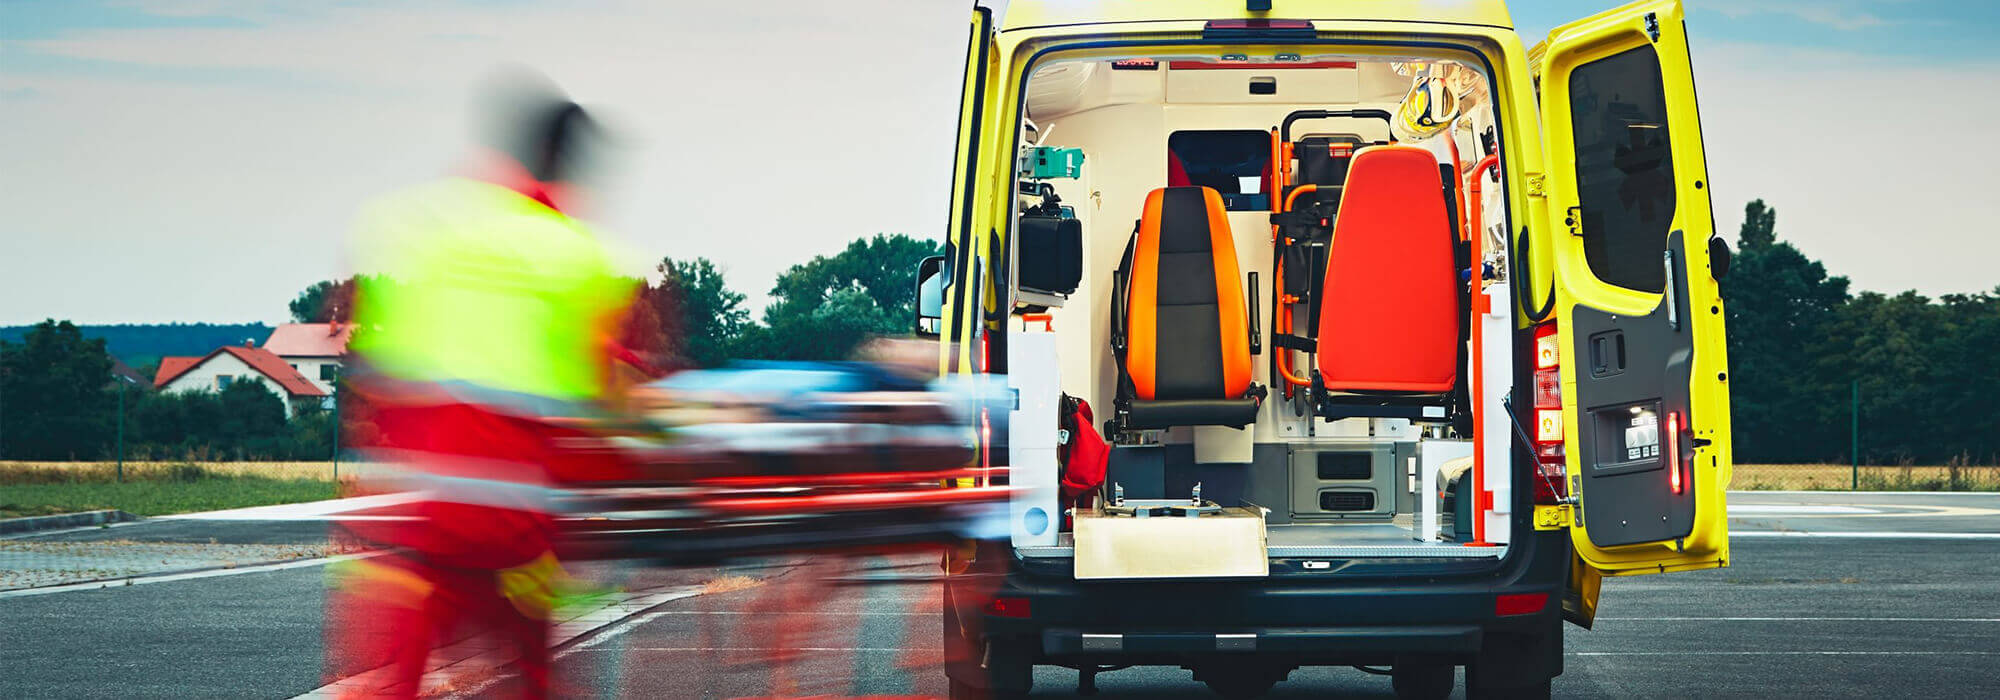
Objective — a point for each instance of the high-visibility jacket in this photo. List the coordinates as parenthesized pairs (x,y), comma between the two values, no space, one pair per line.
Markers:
(485,318)
(487,291)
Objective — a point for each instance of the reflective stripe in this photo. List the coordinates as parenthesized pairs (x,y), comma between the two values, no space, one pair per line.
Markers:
(467,490)
(516,404)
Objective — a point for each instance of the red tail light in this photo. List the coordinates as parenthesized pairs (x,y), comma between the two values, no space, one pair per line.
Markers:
(1008,607)
(1673,445)
(1520,604)
(1551,478)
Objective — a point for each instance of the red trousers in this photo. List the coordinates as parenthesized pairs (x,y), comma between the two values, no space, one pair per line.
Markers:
(437,582)
(396,609)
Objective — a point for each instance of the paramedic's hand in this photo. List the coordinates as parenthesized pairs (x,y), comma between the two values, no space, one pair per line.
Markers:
(531,587)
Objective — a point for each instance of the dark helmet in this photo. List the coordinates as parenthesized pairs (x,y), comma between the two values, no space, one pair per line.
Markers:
(538,126)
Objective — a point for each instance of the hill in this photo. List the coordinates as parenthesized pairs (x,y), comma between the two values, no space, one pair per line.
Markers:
(143,344)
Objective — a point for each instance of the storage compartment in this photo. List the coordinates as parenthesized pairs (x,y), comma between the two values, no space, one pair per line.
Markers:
(1343,481)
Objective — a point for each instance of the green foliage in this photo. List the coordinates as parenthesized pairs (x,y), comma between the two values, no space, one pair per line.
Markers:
(1799,344)
(244,421)
(1780,303)
(324,301)
(820,310)
(696,316)
(55,400)
(823,308)
(181,488)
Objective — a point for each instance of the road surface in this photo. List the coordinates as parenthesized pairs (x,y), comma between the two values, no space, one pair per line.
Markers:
(1830,594)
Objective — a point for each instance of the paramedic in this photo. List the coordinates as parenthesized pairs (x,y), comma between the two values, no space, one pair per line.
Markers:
(482,340)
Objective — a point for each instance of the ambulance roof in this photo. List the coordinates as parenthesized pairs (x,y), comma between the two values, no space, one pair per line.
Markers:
(1024,14)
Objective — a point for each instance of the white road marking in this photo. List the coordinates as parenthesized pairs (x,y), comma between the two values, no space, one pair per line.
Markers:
(1803,619)
(1870,535)
(614,619)
(1783,653)
(165,578)
(1870,510)
(315,510)
(1796,509)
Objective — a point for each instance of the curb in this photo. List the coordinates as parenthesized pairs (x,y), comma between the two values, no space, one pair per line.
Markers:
(15,526)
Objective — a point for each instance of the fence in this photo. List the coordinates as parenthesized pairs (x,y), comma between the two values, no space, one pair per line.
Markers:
(1843,477)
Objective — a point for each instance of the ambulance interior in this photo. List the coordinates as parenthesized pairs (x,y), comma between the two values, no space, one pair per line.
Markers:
(1279,291)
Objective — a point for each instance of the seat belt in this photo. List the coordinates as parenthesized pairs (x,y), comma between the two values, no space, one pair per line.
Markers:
(1121,407)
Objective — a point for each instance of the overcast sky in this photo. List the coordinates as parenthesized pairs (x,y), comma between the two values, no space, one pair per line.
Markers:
(200,160)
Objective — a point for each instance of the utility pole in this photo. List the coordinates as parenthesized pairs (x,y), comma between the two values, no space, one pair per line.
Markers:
(336,435)
(122,381)
(1854,434)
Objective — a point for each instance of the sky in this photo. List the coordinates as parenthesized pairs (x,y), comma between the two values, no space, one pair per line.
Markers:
(201,160)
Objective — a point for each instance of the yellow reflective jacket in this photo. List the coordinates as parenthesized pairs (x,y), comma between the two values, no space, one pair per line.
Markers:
(484,288)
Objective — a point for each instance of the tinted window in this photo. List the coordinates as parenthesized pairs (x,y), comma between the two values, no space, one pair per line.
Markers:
(1234,163)
(1624,167)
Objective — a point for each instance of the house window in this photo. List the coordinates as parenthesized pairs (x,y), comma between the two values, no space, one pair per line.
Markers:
(222,381)
(328,372)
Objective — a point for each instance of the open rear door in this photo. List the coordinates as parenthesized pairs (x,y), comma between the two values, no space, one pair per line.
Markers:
(1644,383)
(966,243)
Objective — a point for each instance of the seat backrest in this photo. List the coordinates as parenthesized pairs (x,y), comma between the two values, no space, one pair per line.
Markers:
(1187,332)
(1388,314)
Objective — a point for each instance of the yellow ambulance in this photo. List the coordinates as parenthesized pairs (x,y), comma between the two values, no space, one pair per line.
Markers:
(1398,336)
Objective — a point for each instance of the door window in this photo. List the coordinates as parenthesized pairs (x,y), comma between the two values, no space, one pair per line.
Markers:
(1624,167)
(1235,163)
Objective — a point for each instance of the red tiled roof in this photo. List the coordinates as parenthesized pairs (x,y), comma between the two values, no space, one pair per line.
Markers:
(259,359)
(171,367)
(309,339)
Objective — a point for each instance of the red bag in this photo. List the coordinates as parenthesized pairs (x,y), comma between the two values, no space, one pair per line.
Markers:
(1084,454)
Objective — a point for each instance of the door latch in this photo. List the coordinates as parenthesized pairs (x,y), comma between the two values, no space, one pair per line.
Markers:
(1573,218)
(1653,26)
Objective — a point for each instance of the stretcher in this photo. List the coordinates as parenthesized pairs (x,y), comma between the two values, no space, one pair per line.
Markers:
(769,458)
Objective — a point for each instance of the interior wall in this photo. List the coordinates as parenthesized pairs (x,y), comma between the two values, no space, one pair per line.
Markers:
(1124,137)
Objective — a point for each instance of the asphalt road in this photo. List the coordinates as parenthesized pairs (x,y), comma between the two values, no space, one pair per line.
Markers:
(1891,605)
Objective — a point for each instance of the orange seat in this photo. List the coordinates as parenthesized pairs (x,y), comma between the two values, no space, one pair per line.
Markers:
(1186,334)
(1389,312)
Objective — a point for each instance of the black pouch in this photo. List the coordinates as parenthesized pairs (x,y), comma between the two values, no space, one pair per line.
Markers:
(1051,253)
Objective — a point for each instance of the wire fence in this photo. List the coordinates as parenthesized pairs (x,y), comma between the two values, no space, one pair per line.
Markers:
(1845,477)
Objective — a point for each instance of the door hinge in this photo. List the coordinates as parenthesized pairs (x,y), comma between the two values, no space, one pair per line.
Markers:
(1652,26)
(1536,187)
(1574,220)
(1551,517)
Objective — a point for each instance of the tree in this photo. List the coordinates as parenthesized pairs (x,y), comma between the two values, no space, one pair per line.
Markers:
(250,410)
(324,301)
(709,316)
(1780,306)
(55,385)
(824,307)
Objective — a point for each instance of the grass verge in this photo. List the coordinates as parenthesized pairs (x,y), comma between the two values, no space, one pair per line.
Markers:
(27,490)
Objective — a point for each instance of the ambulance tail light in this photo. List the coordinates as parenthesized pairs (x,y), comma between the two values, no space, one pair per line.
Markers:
(1551,477)
(1673,450)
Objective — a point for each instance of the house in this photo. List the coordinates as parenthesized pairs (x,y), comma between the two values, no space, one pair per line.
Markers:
(314,349)
(241,363)
(121,372)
